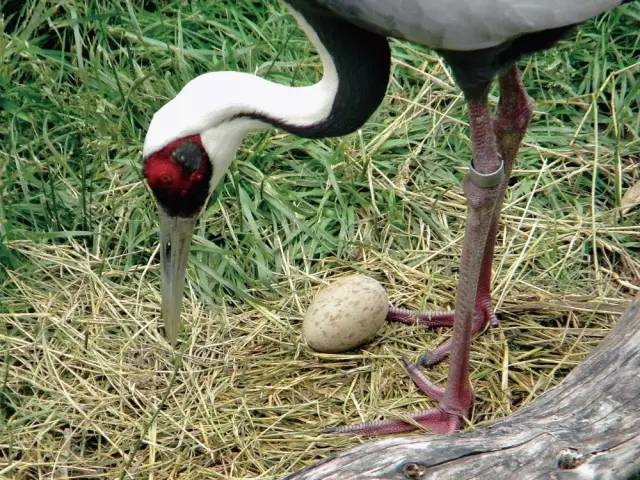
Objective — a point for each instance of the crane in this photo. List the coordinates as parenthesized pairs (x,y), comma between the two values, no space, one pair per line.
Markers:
(193,138)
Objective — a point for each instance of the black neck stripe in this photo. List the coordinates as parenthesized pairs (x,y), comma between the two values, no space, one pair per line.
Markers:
(362,60)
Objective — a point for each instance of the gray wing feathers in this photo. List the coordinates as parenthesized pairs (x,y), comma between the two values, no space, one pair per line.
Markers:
(465,24)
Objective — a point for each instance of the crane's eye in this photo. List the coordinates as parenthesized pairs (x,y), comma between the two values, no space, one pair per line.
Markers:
(189,155)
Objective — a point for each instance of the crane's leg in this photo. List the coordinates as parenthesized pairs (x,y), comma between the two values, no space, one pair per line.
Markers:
(515,109)
(480,187)
(489,137)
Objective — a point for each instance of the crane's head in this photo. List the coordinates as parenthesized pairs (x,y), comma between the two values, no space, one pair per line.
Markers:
(179,175)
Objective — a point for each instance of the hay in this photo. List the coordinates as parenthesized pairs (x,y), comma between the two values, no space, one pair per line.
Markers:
(100,393)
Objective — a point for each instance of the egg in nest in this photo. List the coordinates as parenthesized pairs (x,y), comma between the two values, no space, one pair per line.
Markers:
(346,314)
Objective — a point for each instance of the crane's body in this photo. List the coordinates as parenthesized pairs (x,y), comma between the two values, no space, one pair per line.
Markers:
(193,138)
(465,25)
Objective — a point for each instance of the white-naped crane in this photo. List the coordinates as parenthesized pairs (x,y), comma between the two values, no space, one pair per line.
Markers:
(193,138)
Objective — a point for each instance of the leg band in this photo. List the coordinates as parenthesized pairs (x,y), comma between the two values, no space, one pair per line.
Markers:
(486,180)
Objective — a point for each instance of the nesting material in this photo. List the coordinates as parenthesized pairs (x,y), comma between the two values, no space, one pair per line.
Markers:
(346,314)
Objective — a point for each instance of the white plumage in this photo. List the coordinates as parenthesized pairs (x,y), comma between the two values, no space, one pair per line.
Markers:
(210,104)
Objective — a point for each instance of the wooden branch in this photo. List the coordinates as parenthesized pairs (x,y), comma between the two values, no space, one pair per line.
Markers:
(587,427)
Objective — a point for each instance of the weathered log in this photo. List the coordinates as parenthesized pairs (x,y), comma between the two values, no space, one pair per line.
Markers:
(587,427)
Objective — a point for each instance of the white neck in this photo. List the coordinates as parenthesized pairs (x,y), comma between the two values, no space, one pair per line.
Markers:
(213,104)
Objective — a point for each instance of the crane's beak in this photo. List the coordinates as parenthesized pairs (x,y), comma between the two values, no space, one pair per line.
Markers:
(175,242)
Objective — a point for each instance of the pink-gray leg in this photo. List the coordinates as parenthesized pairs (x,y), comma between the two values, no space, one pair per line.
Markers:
(456,400)
(514,113)
(504,134)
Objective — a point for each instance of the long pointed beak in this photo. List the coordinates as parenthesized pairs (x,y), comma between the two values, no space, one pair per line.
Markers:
(175,242)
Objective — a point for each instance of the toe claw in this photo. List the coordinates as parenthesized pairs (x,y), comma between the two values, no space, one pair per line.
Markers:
(493,319)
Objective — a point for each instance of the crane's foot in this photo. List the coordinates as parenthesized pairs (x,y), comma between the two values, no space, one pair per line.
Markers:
(483,318)
(436,420)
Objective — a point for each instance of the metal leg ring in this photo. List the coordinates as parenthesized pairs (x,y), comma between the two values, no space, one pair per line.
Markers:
(486,180)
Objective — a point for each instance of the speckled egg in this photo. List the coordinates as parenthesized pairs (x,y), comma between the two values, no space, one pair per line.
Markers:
(346,314)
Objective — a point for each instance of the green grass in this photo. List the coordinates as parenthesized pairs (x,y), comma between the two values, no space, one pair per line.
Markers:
(87,387)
